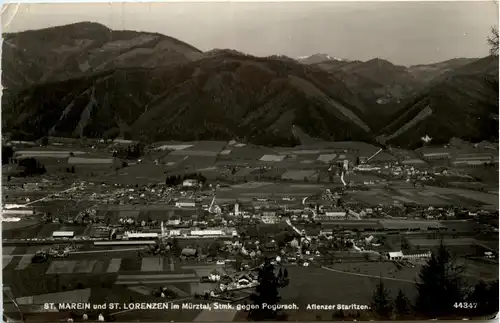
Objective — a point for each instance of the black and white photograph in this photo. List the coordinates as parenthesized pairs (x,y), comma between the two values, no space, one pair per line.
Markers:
(250,161)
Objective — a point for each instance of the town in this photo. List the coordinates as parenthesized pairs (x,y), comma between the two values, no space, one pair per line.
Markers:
(192,222)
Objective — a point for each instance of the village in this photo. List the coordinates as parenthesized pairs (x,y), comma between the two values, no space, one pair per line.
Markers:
(191,222)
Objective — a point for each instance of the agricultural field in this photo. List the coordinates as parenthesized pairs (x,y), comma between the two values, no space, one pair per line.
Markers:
(429,195)
(298,175)
(247,152)
(323,286)
(410,224)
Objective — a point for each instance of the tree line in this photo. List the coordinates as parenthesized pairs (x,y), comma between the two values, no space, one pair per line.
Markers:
(133,151)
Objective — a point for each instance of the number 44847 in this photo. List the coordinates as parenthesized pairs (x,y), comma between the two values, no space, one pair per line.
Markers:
(465,305)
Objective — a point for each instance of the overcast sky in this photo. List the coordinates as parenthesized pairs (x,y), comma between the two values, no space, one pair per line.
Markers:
(402,32)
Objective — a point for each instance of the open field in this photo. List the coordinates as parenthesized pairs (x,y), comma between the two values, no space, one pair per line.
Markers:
(429,195)
(297,175)
(448,242)
(325,287)
(410,224)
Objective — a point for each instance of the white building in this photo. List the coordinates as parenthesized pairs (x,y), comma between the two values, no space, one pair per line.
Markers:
(140,235)
(335,214)
(174,233)
(190,183)
(63,234)
(185,203)
(269,219)
(174,222)
(19,211)
(366,168)
(205,233)
(398,255)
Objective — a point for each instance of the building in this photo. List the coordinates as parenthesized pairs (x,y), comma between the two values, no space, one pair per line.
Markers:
(366,168)
(269,219)
(185,203)
(63,234)
(473,160)
(435,153)
(174,233)
(173,222)
(189,252)
(398,255)
(334,213)
(17,211)
(139,235)
(190,183)
(207,233)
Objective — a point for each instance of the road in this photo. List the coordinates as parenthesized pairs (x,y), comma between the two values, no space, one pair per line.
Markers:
(82,252)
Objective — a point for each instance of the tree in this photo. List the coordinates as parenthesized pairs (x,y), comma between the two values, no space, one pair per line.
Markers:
(267,292)
(45,141)
(213,249)
(493,41)
(381,304)
(7,154)
(175,247)
(440,285)
(401,305)
(404,244)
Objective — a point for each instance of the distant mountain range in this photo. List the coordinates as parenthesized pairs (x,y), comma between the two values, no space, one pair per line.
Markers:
(86,80)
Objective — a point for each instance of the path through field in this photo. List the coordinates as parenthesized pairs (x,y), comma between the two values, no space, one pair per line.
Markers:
(366,275)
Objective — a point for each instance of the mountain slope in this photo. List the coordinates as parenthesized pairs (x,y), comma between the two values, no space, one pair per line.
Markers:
(70,51)
(222,96)
(428,72)
(463,104)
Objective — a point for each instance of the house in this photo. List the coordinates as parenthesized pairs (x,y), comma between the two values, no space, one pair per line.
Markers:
(215,275)
(269,246)
(398,255)
(188,252)
(190,183)
(326,232)
(269,219)
(174,222)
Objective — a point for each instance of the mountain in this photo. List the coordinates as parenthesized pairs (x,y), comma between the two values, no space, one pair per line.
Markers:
(429,72)
(70,51)
(223,95)
(86,80)
(463,104)
(317,58)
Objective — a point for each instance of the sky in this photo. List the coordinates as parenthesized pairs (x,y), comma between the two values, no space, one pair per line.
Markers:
(404,33)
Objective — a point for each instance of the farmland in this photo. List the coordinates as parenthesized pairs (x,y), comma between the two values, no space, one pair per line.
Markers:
(256,177)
